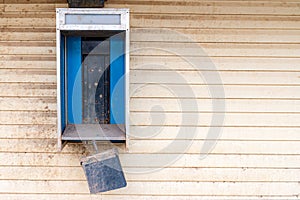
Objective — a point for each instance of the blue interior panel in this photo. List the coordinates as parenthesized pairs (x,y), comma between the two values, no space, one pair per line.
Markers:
(62,82)
(117,80)
(74,77)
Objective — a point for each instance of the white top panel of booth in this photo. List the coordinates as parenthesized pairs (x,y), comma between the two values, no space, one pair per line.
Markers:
(92,19)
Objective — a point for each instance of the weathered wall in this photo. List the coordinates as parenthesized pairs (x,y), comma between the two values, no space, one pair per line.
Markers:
(255,45)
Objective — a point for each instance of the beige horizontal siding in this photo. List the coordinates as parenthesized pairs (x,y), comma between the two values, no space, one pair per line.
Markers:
(232,91)
(228,133)
(36,131)
(214,21)
(40,20)
(205,105)
(135,197)
(147,146)
(168,174)
(209,7)
(150,160)
(47,131)
(165,77)
(218,35)
(168,105)
(254,46)
(228,77)
(18,89)
(205,119)
(220,63)
(156,188)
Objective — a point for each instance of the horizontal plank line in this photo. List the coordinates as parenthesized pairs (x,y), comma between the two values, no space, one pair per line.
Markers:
(63,2)
(43,14)
(202,112)
(55,138)
(149,195)
(32,55)
(193,70)
(215,98)
(46,193)
(31,111)
(250,126)
(196,14)
(166,56)
(32,83)
(190,56)
(30,97)
(37,2)
(28,82)
(178,112)
(112,2)
(196,28)
(204,126)
(264,84)
(38,68)
(287,1)
(250,84)
(162,112)
(38,110)
(162,153)
(143,167)
(26,124)
(132,138)
(49,152)
(243,168)
(212,14)
(230,127)
(206,98)
(26,43)
(27,56)
(29,30)
(267,127)
(155,167)
(199,42)
(217,84)
(207,195)
(217,28)
(154,181)
(209,98)
(23,43)
(167,98)
(30,15)
(170,27)
(225,140)
(221,154)
(179,98)
(191,84)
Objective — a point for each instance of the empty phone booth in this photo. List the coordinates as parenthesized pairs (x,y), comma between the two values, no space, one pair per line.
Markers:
(92,71)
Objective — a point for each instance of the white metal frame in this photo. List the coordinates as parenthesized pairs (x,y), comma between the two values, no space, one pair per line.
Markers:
(62,26)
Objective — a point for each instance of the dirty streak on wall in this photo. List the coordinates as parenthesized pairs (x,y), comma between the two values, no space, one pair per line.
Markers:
(255,46)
